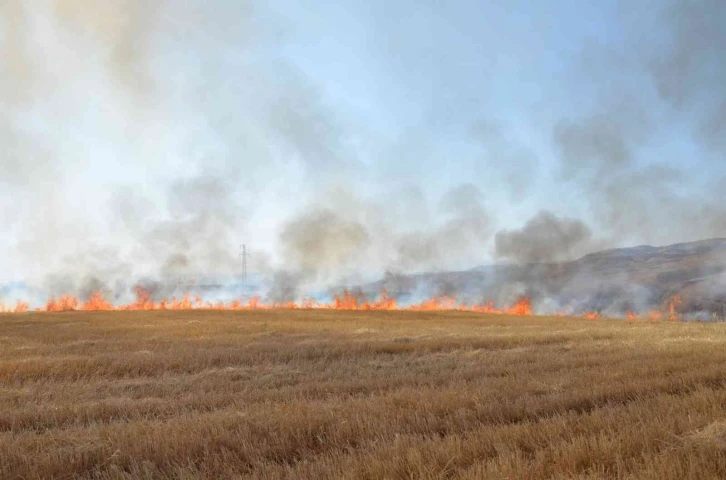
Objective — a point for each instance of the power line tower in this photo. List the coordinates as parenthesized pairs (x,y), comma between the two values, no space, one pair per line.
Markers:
(243,254)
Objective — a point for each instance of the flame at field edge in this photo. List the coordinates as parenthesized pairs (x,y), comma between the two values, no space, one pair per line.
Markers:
(346,300)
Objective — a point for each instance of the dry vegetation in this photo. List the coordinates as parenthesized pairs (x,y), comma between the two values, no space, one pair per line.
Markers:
(326,394)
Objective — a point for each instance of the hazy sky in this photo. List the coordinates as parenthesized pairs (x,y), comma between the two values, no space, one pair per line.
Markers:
(338,138)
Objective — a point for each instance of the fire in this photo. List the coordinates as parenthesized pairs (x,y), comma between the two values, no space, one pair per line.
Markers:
(346,300)
(96,302)
(672,314)
(20,307)
(64,303)
(436,303)
(143,301)
(522,307)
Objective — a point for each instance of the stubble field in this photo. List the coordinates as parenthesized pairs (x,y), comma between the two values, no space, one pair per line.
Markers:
(330,394)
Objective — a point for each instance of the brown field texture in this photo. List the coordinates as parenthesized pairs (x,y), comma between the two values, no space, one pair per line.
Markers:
(334,394)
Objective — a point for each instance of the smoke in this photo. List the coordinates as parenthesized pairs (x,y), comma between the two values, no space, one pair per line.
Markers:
(597,146)
(466,228)
(145,141)
(516,163)
(108,147)
(284,287)
(343,238)
(636,190)
(544,238)
(691,75)
(307,128)
(322,241)
(204,221)
(123,29)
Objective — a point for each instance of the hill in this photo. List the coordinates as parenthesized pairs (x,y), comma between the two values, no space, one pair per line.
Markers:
(610,281)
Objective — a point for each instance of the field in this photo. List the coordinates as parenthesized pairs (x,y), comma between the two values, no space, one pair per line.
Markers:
(329,394)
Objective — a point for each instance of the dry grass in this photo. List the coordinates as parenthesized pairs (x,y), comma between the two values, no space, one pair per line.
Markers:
(325,394)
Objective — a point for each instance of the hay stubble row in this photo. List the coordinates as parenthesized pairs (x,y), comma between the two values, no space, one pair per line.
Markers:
(345,394)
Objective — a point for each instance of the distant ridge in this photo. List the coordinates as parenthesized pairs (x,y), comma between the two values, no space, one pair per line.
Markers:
(614,280)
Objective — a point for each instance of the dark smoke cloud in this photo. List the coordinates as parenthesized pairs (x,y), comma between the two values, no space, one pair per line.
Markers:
(323,241)
(203,224)
(640,91)
(205,219)
(691,73)
(466,229)
(544,238)
(284,287)
(344,239)
(601,144)
(91,269)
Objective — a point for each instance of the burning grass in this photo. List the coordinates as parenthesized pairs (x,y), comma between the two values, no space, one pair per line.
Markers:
(355,394)
(343,301)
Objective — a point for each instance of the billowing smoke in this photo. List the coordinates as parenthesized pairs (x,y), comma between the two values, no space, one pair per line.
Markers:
(544,238)
(620,156)
(122,164)
(143,142)
(285,287)
(322,241)
(466,227)
(692,74)
(343,239)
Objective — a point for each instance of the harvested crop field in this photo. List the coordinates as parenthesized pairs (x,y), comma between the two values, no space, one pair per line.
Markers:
(335,394)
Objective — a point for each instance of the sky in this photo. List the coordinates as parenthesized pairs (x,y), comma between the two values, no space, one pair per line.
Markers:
(342,140)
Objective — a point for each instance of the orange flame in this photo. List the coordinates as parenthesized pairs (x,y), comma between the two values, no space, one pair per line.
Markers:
(346,300)
(522,307)
(64,303)
(672,314)
(436,303)
(96,302)
(20,307)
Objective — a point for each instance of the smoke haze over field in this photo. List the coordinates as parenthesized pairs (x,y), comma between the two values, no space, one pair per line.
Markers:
(145,141)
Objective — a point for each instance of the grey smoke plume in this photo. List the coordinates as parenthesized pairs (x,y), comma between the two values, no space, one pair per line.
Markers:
(602,144)
(517,165)
(177,180)
(345,239)
(544,238)
(323,241)
(284,287)
(635,191)
(144,141)
(466,229)
(204,222)
(691,74)
(123,28)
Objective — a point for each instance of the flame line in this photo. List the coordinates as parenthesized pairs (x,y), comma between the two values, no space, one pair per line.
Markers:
(343,301)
